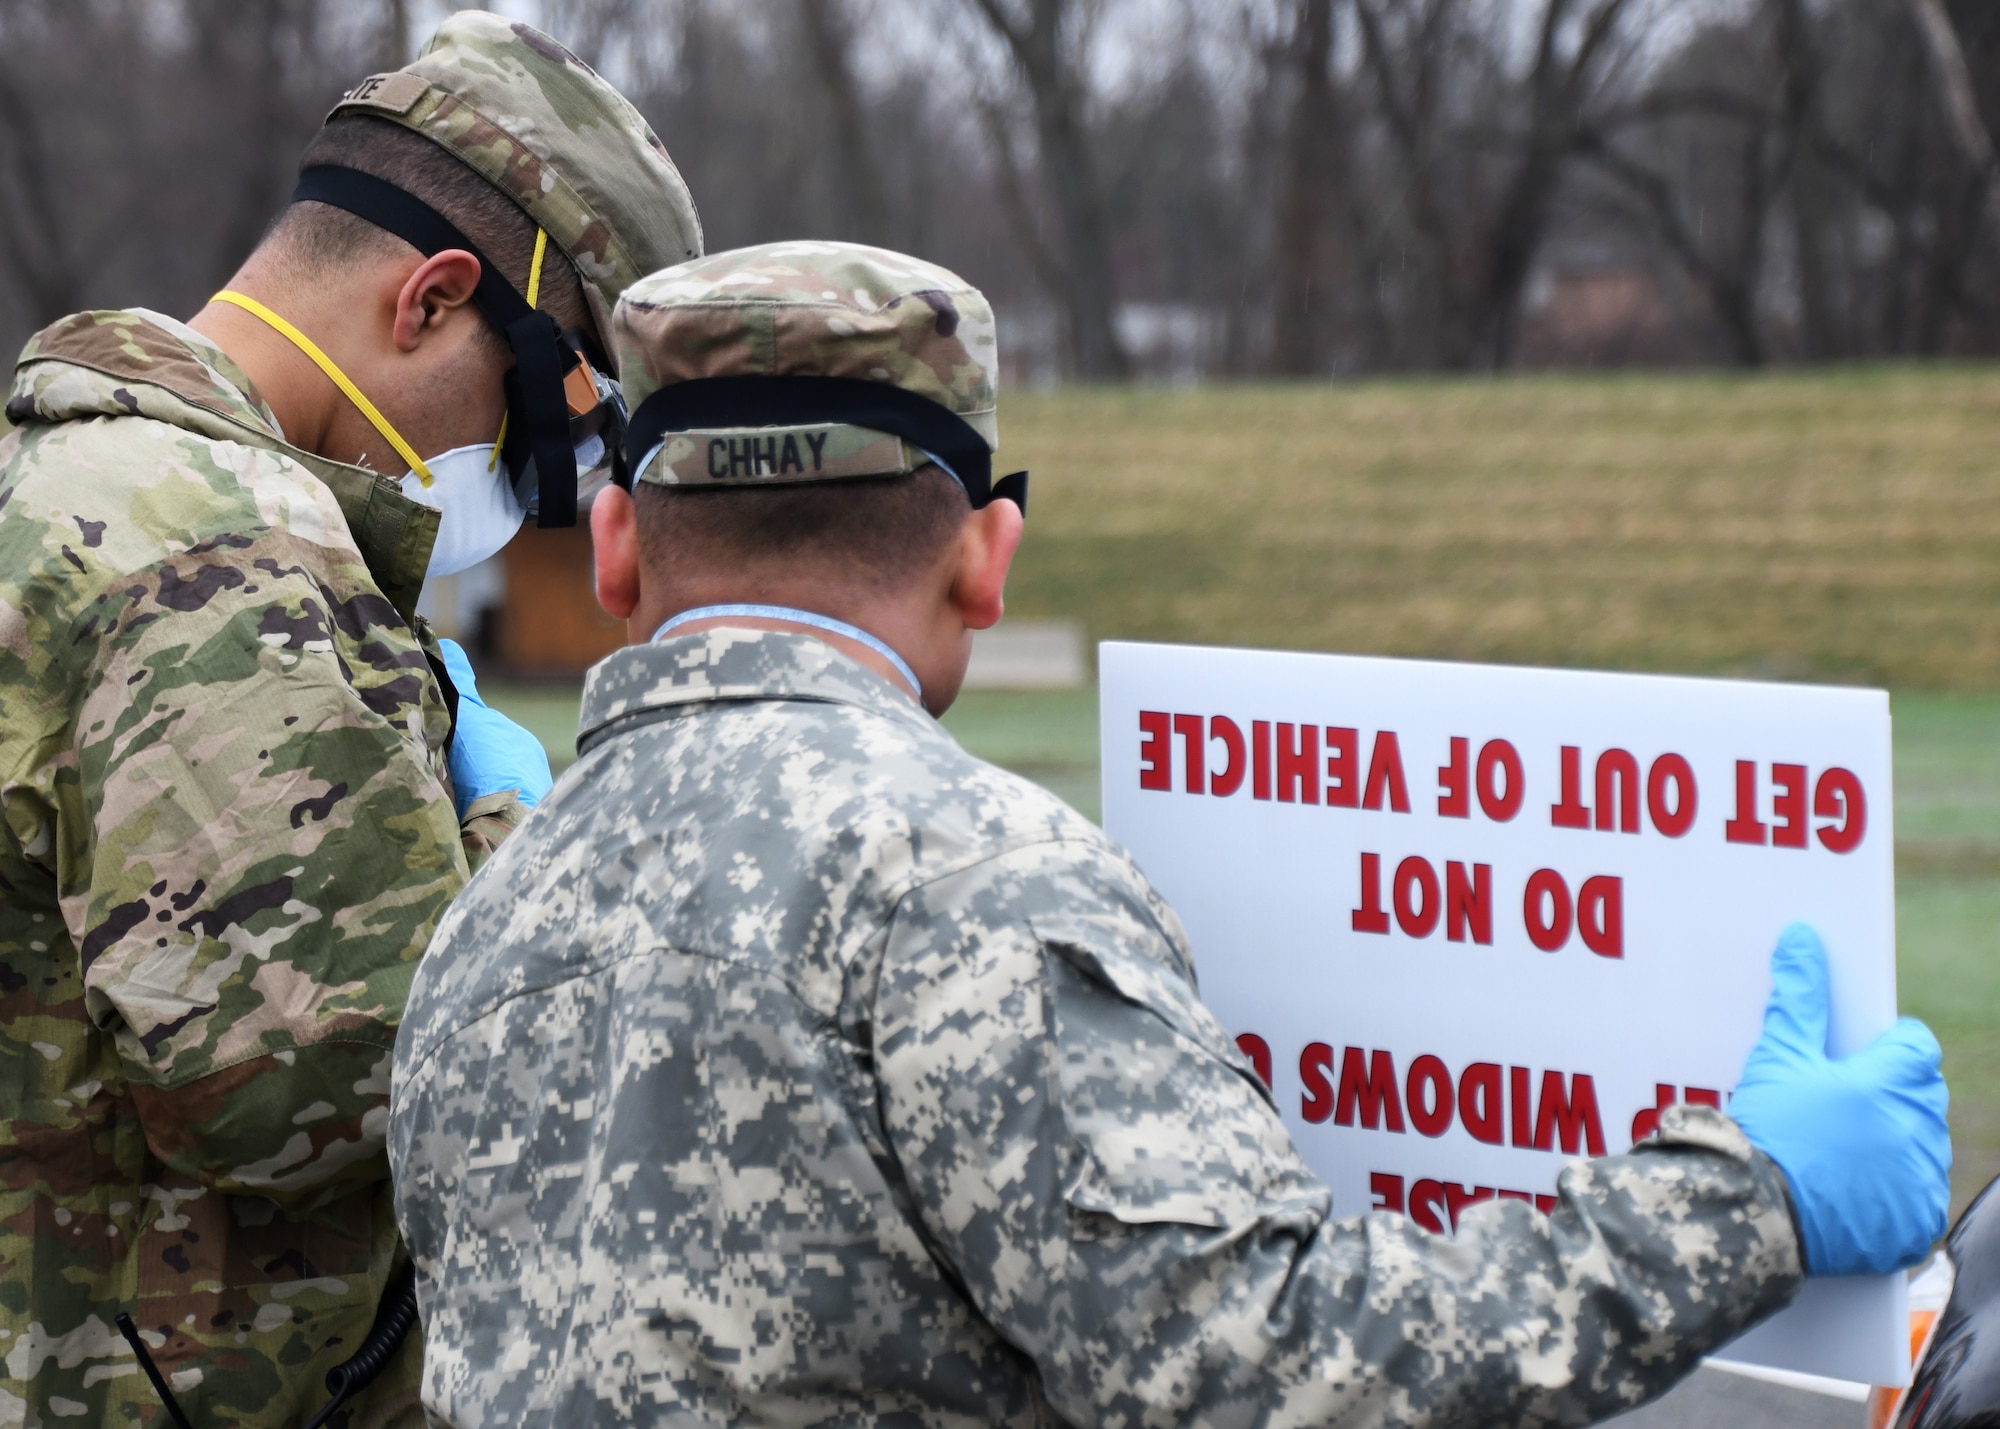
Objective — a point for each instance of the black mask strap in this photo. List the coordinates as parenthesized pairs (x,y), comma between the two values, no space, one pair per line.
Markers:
(713,403)
(541,358)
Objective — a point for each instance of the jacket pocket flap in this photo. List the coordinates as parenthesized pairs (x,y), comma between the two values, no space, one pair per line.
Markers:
(1167,1122)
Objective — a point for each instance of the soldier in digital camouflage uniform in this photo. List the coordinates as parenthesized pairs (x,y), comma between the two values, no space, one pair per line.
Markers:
(229,824)
(792,1066)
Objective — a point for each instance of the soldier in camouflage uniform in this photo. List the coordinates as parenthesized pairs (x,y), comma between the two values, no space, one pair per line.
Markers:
(792,1066)
(229,823)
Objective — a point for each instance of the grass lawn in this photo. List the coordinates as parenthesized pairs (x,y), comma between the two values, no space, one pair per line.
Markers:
(1948,906)
(1839,527)
(1842,527)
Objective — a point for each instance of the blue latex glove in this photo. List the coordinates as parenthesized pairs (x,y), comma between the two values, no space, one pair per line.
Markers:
(489,752)
(1862,1141)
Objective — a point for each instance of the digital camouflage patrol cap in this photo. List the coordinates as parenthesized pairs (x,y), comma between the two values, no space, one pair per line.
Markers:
(808,361)
(541,126)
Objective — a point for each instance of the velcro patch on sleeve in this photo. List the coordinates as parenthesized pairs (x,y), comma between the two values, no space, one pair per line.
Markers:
(747,456)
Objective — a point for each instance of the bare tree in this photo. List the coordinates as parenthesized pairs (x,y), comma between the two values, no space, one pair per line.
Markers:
(44,254)
(1481,182)
(1303,298)
(593,29)
(1960,102)
(1810,200)
(1559,87)
(394,51)
(1703,174)
(1010,177)
(1797,167)
(829,32)
(145,144)
(1411,49)
(1043,39)
(1287,185)
(260,60)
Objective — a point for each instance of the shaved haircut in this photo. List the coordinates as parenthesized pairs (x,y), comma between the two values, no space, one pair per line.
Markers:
(315,239)
(869,533)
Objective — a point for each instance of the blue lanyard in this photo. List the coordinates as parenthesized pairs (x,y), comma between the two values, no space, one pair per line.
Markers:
(797,617)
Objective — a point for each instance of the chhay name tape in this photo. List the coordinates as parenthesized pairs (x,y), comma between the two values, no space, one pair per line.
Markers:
(745,456)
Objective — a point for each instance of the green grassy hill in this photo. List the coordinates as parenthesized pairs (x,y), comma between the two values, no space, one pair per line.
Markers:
(1842,527)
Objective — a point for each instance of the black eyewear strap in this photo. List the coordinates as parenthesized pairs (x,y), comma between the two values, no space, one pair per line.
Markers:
(711,403)
(541,358)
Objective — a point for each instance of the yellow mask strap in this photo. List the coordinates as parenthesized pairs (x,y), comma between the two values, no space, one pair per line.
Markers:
(535,268)
(334,374)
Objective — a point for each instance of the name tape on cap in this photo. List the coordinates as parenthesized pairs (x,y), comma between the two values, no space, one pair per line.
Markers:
(396,92)
(748,455)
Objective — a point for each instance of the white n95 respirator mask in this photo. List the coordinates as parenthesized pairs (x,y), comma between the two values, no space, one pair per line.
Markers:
(479,512)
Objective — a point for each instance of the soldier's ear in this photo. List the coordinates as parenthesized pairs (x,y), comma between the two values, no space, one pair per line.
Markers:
(986,545)
(614,539)
(439,285)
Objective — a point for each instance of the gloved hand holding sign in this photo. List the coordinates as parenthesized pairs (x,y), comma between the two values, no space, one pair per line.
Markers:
(1862,1141)
(489,752)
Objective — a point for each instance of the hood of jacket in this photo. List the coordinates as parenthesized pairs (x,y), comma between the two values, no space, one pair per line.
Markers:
(137,363)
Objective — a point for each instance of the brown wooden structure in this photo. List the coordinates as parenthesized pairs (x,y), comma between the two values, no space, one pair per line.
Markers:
(550,623)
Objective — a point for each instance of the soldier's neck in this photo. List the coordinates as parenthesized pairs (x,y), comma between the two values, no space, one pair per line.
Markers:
(918,622)
(306,404)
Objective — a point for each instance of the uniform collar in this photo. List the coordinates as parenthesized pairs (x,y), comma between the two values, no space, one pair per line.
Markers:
(731,665)
(139,363)
(795,616)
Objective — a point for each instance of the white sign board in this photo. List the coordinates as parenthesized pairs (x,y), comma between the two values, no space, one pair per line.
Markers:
(1471,921)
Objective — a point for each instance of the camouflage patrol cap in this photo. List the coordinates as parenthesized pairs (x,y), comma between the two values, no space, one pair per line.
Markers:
(541,126)
(807,361)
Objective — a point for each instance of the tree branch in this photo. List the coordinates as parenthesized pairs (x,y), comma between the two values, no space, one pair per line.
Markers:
(1960,102)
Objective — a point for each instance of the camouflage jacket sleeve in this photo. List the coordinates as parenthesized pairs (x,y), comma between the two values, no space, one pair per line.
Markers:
(1113,1187)
(489,821)
(265,847)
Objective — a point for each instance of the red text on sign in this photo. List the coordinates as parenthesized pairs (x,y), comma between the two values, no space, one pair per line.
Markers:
(1492,1104)
(1670,793)
(1495,778)
(1282,761)
(1259,1053)
(1837,797)
(1597,913)
(1464,901)
(1434,1204)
